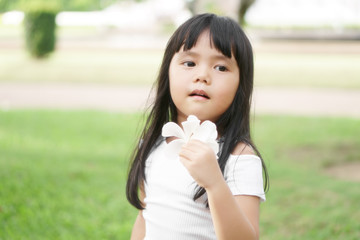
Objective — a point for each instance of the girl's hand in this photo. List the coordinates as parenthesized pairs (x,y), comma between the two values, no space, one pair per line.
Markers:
(200,160)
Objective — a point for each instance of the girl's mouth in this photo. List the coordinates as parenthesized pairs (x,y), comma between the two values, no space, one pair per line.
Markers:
(199,93)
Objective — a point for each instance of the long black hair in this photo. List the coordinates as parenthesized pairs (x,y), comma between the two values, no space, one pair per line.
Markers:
(233,125)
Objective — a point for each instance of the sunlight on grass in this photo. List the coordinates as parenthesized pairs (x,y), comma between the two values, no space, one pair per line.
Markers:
(97,66)
(141,67)
(311,70)
(125,66)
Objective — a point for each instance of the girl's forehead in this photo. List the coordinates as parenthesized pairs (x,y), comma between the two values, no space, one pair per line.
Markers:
(205,40)
(205,50)
(201,49)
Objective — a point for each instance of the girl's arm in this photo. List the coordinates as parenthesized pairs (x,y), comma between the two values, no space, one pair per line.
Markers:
(234,217)
(138,231)
(234,212)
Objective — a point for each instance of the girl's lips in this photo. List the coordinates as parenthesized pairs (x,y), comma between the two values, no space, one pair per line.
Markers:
(199,93)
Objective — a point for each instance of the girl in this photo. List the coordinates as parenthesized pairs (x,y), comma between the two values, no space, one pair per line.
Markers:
(207,71)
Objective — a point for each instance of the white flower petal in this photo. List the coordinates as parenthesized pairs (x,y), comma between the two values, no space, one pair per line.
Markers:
(190,126)
(173,148)
(193,118)
(171,129)
(206,132)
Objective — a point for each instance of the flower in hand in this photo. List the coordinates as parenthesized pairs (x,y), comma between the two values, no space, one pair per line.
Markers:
(192,129)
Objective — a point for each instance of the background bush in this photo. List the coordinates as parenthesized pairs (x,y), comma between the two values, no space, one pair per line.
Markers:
(40,29)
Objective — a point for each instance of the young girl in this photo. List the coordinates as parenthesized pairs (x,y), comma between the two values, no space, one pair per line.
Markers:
(184,188)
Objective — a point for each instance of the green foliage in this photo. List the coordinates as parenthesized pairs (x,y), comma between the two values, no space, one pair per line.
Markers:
(39,6)
(85,5)
(40,27)
(81,5)
(7,5)
(64,5)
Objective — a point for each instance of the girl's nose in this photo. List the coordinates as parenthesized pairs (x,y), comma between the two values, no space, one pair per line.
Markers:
(202,75)
(202,79)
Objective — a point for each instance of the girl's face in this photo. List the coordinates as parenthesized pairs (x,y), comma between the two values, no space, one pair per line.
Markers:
(203,82)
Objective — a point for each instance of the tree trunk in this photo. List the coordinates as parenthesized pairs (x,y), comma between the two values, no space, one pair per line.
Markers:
(243,7)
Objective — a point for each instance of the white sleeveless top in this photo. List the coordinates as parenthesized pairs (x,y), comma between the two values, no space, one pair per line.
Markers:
(171,212)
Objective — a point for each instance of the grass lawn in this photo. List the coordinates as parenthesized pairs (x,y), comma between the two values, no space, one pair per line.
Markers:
(82,66)
(307,70)
(62,175)
(128,66)
(119,66)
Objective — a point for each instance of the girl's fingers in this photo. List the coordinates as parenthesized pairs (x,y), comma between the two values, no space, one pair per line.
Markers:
(194,150)
(195,145)
(186,153)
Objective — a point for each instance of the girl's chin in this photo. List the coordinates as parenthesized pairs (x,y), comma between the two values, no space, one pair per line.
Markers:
(199,116)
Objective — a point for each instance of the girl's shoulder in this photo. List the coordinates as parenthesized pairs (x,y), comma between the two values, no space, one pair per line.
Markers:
(243,149)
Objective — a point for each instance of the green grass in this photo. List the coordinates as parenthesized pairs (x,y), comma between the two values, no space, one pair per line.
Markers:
(62,175)
(303,202)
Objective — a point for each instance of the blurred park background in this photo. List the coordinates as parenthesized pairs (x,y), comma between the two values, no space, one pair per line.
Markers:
(69,118)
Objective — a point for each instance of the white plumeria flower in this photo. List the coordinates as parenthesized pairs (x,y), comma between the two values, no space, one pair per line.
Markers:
(205,132)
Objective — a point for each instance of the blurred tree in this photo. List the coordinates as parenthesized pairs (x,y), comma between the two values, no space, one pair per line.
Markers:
(243,7)
(191,5)
(40,27)
(7,5)
(65,5)
(85,5)
(40,15)
(221,7)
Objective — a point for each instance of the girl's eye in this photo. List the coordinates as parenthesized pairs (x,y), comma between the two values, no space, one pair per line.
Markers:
(189,64)
(221,68)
